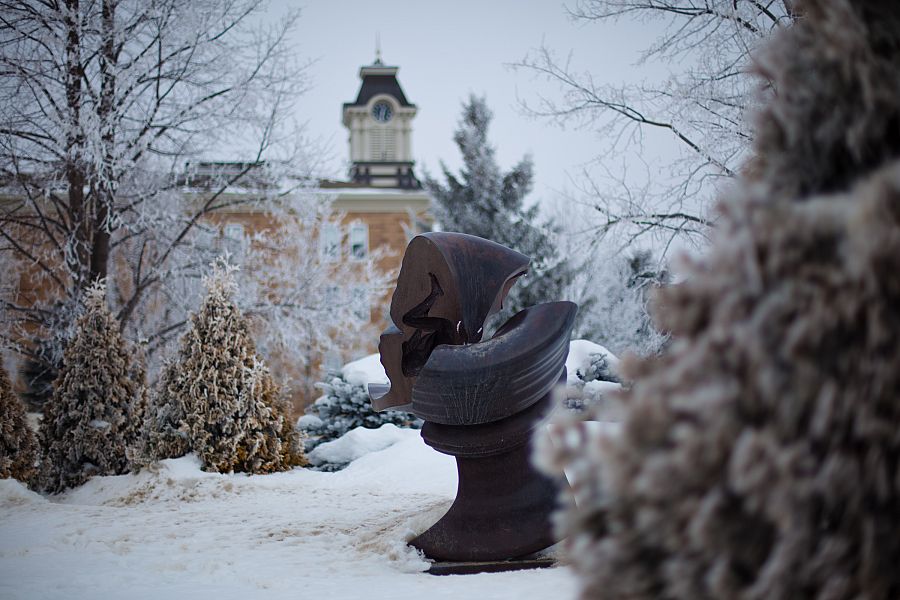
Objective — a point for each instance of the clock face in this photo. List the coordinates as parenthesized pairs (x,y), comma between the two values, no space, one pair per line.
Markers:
(382,112)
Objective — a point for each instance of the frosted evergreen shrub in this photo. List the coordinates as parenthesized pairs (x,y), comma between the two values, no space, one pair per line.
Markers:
(217,398)
(594,380)
(18,446)
(344,407)
(98,401)
(618,315)
(759,457)
(598,369)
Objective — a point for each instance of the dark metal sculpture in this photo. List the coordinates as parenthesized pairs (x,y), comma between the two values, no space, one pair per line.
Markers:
(480,400)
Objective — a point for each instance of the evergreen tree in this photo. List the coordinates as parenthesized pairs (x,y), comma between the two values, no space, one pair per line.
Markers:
(486,202)
(97,403)
(165,428)
(346,406)
(18,446)
(43,353)
(759,456)
(217,398)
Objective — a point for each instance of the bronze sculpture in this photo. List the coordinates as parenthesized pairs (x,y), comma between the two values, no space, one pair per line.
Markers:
(480,400)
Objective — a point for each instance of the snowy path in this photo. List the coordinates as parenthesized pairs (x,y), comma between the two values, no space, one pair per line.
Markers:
(182,533)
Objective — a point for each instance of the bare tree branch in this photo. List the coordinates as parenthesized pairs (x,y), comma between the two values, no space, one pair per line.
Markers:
(702,107)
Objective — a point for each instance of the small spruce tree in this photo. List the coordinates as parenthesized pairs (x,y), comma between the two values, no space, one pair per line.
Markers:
(217,398)
(97,403)
(18,446)
(346,406)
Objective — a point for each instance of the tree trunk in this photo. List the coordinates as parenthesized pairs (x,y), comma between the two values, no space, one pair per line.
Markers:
(79,259)
(106,177)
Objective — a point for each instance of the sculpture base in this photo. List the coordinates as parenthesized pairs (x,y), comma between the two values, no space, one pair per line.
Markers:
(497,566)
(501,512)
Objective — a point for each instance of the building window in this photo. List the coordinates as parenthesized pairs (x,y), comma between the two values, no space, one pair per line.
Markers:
(359,303)
(359,241)
(332,362)
(330,242)
(234,241)
(332,295)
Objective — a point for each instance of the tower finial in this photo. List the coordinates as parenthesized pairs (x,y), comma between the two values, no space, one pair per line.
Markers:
(377,48)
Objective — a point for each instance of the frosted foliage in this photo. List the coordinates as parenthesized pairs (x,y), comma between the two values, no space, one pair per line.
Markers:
(164,436)
(617,316)
(696,106)
(97,404)
(217,398)
(299,311)
(18,447)
(759,456)
(114,117)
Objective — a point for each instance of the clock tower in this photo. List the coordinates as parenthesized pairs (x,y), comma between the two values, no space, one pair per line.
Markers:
(380,125)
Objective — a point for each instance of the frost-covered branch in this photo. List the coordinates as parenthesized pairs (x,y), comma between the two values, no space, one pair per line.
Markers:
(110,111)
(701,107)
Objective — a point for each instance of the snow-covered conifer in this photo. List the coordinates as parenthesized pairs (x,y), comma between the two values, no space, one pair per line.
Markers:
(486,202)
(165,428)
(759,456)
(344,406)
(97,403)
(18,447)
(217,398)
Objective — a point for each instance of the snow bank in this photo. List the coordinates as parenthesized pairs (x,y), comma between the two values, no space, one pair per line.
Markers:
(178,532)
(579,359)
(582,364)
(14,494)
(355,443)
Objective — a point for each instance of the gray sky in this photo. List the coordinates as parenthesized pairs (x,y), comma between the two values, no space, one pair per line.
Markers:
(445,50)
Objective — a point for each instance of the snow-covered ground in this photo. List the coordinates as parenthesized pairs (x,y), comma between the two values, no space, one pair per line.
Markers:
(182,533)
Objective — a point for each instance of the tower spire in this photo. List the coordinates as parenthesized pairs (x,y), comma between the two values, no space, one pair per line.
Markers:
(378,48)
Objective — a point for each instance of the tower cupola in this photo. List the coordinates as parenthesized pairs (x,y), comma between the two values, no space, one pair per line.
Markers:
(380,126)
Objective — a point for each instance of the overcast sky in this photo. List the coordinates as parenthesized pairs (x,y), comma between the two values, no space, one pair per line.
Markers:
(446,50)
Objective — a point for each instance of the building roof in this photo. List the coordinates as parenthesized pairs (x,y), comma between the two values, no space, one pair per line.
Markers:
(379,79)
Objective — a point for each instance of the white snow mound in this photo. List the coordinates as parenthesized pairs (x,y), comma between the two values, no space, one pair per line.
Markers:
(579,359)
(14,493)
(364,371)
(356,443)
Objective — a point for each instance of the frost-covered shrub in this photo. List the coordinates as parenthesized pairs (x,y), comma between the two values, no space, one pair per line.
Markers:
(18,446)
(598,368)
(592,378)
(217,398)
(617,314)
(759,457)
(97,404)
(344,406)
(165,428)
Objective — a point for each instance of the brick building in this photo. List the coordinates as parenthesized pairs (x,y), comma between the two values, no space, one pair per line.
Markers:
(382,200)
